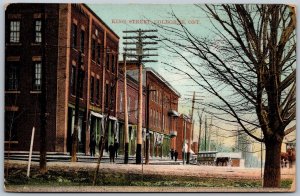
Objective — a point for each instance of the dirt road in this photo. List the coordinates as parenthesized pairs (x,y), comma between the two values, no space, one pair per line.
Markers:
(180,170)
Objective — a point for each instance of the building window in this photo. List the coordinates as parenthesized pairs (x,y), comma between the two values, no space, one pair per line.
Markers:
(112,96)
(82,41)
(14,35)
(73,79)
(74,35)
(13,78)
(92,89)
(163,122)
(99,53)
(136,109)
(37,76)
(113,64)
(106,95)
(107,60)
(121,101)
(38,31)
(94,49)
(81,82)
(97,91)
(128,106)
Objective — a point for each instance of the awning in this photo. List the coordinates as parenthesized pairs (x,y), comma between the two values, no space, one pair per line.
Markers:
(186,149)
(173,134)
(96,114)
(113,118)
(173,113)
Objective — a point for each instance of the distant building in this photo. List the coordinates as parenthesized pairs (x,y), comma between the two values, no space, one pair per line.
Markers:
(163,110)
(183,135)
(71,31)
(132,105)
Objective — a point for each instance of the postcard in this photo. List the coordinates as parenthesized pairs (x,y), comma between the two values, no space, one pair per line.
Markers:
(150,97)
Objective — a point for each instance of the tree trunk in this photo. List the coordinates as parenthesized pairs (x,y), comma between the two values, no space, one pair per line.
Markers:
(126,155)
(272,164)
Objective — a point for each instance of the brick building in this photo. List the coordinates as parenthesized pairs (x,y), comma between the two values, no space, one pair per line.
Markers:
(163,107)
(132,105)
(183,134)
(77,42)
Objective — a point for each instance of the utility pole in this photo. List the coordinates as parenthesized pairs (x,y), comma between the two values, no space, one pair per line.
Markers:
(147,124)
(209,134)
(138,54)
(125,113)
(140,105)
(200,131)
(78,89)
(184,140)
(43,101)
(205,131)
(191,131)
(190,139)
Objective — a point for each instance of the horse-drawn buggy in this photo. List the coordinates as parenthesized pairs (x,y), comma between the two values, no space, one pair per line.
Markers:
(206,157)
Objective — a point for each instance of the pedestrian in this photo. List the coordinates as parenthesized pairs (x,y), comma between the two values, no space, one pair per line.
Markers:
(92,147)
(175,155)
(116,147)
(172,153)
(111,152)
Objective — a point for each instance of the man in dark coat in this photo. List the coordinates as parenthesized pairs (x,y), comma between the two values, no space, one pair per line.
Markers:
(172,153)
(111,151)
(116,147)
(175,155)
(92,147)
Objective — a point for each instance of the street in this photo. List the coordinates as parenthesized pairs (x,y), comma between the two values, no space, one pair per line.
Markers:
(165,170)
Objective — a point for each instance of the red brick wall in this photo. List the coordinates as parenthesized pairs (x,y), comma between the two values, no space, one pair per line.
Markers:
(132,92)
(59,59)
(161,104)
(25,98)
(180,135)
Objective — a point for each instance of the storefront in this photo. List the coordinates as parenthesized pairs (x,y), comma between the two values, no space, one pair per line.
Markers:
(81,130)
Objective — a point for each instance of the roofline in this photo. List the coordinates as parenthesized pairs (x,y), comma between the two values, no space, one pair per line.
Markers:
(87,7)
(163,80)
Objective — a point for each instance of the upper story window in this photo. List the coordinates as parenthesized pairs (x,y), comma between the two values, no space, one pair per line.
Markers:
(13,77)
(14,29)
(94,49)
(121,101)
(73,79)
(99,53)
(92,89)
(106,95)
(81,82)
(112,95)
(37,75)
(82,41)
(107,61)
(97,91)
(113,64)
(128,106)
(38,31)
(136,109)
(74,35)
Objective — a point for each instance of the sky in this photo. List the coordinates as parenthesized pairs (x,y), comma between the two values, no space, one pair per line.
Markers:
(121,17)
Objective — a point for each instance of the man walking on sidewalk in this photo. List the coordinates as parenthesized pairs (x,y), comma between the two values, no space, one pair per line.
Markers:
(116,147)
(111,151)
(175,155)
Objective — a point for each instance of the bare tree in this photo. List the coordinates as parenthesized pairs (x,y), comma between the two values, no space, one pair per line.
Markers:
(108,112)
(248,63)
